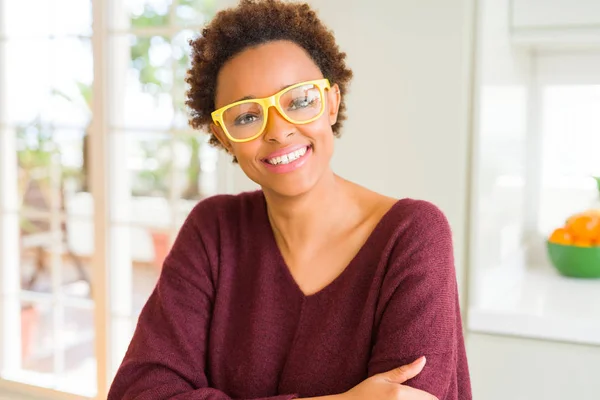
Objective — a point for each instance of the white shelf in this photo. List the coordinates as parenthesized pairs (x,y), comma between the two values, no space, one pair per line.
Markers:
(537,303)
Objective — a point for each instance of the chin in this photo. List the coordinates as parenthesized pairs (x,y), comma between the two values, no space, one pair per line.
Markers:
(288,186)
(288,190)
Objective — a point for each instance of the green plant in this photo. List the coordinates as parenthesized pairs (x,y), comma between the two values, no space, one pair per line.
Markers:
(153,79)
(193,171)
(153,180)
(84,101)
(36,155)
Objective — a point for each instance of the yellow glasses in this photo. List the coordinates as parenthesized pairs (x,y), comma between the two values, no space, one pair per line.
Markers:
(299,104)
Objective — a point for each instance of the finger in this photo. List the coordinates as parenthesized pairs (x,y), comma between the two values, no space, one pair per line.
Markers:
(405,372)
(410,393)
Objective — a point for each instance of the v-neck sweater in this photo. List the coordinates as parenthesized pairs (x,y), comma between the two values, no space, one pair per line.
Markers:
(227,320)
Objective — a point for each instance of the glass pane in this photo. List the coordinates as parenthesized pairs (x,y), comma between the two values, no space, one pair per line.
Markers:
(571,123)
(149,162)
(79,248)
(142,66)
(27,85)
(502,174)
(570,128)
(76,207)
(71,17)
(71,86)
(37,163)
(195,163)
(146,271)
(55,200)
(136,258)
(148,13)
(66,245)
(19,20)
(74,164)
(181,57)
(49,164)
(143,240)
(121,333)
(77,339)
(37,341)
(195,12)
(38,240)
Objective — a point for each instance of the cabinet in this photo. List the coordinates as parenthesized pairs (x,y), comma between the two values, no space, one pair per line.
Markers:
(555,14)
(555,23)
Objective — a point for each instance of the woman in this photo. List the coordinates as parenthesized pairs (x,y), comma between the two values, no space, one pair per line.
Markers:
(312,286)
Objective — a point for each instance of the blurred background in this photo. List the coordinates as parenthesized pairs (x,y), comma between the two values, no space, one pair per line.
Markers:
(488,108)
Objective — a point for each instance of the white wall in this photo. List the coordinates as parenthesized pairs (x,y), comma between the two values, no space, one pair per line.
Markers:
(411,65)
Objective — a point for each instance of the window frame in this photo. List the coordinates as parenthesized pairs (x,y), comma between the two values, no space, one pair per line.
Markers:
(109,342)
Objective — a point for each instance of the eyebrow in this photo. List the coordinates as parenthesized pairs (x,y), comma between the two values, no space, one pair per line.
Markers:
(254,97)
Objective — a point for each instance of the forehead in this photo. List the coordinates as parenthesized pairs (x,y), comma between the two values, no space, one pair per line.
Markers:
(263,70)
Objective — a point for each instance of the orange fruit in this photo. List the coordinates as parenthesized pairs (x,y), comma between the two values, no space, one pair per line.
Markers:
(583,243)
(561,236)
(584,226)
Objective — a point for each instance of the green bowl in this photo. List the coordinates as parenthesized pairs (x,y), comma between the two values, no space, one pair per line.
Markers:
(573,261)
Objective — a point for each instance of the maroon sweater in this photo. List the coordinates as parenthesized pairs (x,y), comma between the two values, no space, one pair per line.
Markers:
(227,320)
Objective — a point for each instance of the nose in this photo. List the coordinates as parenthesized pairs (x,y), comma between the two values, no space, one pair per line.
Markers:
(278,128)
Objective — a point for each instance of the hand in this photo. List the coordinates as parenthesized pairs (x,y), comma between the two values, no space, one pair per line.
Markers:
(389,385)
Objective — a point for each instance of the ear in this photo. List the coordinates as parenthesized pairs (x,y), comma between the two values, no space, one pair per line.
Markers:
(221,137)
(335,98)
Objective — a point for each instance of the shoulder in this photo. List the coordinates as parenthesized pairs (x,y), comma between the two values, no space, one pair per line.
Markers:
(226,208)
(403,216)
(415,220)
(421,235)
(421,217)
(215,222)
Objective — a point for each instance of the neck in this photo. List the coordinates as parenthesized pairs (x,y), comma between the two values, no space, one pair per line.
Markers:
(304,221)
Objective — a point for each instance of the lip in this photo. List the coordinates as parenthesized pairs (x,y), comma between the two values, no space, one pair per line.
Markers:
(285,150)
(292,166)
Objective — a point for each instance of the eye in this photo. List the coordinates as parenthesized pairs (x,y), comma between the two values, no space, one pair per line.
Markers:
(246,119)
(302,102)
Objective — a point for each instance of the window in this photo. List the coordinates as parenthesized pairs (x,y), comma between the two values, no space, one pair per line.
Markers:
(65,88)
(537,137)
(569,88)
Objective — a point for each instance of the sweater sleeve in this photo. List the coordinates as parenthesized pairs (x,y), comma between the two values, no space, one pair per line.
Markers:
(418,313)
(166,358)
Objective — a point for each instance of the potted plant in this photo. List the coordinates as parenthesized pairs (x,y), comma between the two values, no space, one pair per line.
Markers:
(30,322)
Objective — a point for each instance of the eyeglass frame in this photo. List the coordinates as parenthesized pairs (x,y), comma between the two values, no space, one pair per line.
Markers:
(272,101)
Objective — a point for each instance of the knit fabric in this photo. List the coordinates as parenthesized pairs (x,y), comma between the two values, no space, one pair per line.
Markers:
(226,319)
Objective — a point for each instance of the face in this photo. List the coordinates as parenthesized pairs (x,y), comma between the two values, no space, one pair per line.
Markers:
(263,71)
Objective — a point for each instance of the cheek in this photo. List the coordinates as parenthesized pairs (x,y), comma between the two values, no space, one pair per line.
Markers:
(321,132)
(246,154)
(244,151)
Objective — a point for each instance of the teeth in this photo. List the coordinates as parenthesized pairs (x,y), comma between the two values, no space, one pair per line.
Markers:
(288,158)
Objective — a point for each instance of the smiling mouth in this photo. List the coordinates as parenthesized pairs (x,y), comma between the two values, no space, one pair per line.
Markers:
(289,157)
